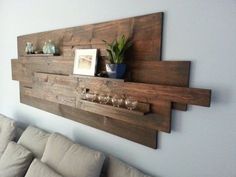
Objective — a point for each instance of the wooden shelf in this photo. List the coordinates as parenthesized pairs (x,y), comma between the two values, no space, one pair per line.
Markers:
(152,121)
(40,55)
(158,121)
(141,135)
(141,110)
(47,81)
(97,78)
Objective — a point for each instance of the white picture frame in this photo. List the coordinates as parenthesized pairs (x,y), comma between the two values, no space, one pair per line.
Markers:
(85,62)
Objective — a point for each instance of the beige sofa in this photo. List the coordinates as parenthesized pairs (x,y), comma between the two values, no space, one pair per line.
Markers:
(41,154)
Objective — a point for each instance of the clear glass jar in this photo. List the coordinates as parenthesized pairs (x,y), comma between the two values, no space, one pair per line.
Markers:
(29,48)
(131,103)
(49,48)
(117,101)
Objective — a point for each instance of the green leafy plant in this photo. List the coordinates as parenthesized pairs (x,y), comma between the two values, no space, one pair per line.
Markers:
(116,50)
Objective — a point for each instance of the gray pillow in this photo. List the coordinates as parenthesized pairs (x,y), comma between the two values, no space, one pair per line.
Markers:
(7,132)
(15,161)
(39,169)
(114,167)
(35,140)
(72,160)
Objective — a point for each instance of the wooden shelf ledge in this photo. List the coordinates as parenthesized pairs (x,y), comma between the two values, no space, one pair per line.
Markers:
(152,121)
(40,55)
(97,78)
(158,121)
(141,109)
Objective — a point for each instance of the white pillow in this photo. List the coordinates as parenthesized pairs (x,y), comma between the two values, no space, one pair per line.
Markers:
(35,140)
(39,169)
(72,160)
(15,161)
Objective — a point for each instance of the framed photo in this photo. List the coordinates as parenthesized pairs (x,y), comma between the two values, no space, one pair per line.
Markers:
(85,61)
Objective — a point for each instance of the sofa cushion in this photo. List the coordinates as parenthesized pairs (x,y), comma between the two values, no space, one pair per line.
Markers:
(35,140)
(15,161)
(39,169)
(55,149)
(71,159)
(116,168)
(7,132)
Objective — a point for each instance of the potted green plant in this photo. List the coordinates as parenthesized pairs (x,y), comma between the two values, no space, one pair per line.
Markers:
(116,55)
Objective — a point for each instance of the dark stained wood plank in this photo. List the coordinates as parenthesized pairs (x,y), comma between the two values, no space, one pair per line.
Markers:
(47,82)
(153,121)
(174,73)
(111,111)
(161,72)
(147,137)
(143,91)
(50,87)
(142,30)
(193,96)
(165,73)
(39,55)
(24,69)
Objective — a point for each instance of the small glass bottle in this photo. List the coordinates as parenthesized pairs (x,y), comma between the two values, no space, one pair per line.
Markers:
(29,48)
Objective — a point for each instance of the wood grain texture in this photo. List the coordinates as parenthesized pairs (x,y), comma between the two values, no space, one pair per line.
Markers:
(144,92)
(165,72)
(147,137)
(145,32)
(47,82)
(66,90)
(174,73)
(194,96)
(158,121)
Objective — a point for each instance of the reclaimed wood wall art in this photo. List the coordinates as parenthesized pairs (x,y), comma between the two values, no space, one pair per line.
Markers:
(47,82)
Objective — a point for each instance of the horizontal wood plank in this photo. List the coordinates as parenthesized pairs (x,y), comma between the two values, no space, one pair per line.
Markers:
(147,137)
(166,72)
(173,73)
(157,121)
(184,95)
(142,29)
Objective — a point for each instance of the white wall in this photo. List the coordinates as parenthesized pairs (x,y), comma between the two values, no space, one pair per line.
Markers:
(203,140)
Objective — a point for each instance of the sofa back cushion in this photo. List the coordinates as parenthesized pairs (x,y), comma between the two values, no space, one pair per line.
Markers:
(55,149)
(71,159)
(15,161)
(39,169)
(114,167)
(7,132)
(35,140)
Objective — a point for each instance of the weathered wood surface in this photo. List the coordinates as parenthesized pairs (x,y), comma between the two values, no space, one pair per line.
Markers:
(147,137)
(66,90)
(166,72)
(173,73)
(144,92)
(23,70)
(152,121)
(148,92)
(47,82)
(145,32)
(112,111)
